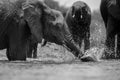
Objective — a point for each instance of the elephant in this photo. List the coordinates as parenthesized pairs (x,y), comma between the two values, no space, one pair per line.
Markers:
(57,31)
(19,19)
(110,12)
(78,18)
(32,48)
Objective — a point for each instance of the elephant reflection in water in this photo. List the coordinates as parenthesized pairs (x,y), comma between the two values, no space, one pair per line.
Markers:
(110,11)
(19,19)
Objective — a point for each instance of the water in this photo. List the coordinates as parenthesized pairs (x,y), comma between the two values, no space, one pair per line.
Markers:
(38,70)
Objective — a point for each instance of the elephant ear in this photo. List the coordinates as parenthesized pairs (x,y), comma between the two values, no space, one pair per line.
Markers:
(32,16)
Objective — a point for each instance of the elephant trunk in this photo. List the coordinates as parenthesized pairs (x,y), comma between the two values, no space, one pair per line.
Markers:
(69,42)
(73,47)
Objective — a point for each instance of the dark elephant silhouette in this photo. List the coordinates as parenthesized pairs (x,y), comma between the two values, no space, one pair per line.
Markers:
(110,12)
(19,19)
(78,18)
(32,48)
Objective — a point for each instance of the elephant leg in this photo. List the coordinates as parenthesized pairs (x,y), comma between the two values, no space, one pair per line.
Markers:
(35,54)
(118,39)
(17,52)
(7,50)
(110,40)
(87,41)
(29,51)
(18,45)
(110,43)
(35,50)
(80,41)
(8,54)
(118,46)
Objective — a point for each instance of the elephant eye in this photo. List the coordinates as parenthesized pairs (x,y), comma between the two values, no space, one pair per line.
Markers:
(57,15)
(50,18)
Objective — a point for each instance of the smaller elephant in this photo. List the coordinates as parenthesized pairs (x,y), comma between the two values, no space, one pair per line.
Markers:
(32,48)
(78,18)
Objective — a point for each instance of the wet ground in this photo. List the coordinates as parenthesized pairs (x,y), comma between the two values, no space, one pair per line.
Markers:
(51,67)
(35,70)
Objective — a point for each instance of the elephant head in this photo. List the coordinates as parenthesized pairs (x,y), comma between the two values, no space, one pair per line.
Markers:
(80,11)
(32,12)
(56,30)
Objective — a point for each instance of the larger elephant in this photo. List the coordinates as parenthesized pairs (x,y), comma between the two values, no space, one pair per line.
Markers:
(19,19)
(78,18)
(110,11)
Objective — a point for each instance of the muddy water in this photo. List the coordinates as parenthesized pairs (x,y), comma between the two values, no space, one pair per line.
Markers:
(37,70)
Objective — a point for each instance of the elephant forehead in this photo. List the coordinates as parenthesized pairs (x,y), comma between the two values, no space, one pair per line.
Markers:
(58,17)
(79,4)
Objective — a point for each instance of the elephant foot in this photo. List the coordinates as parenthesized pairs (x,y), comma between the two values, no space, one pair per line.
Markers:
(16,59)
(15,56)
